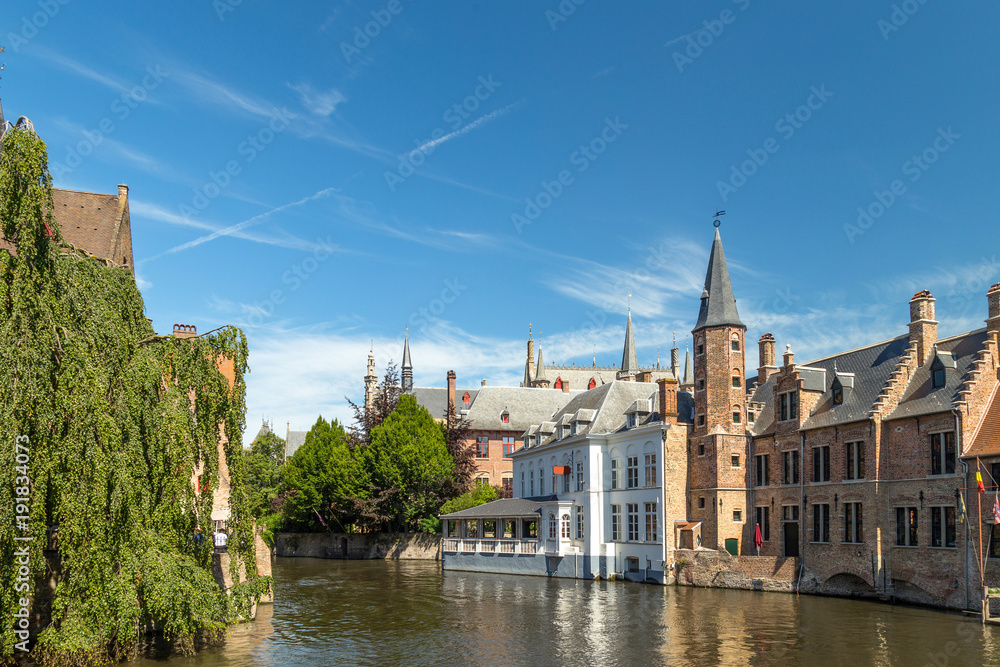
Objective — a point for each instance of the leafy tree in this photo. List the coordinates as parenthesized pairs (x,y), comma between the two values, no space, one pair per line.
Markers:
(323,476)
(409,464)
(458,436)
(264,461)
(116,419)
(478,495)
(384,402)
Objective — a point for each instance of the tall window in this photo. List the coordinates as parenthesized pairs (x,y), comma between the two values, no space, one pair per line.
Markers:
(764,521)
(616,523)
(508,445)
(821,523)
(942,453)
(736,344)
(553,527)
(615,474)
(565,483)
(565,526)
(650,470)
(579,475)
(789,405)
(482,447)
(650,522)
(632,516)
(790,460)
(853,524)
(531,486)
(523,487)
(906,526)
(507,484)
(633,471)
(854,460)
(821,464)
(541,482)
(762,476)
(579,522)
(943,526)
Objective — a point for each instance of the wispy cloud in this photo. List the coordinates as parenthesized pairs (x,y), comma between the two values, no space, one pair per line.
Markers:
(476,124)
(321,103)
(78,68)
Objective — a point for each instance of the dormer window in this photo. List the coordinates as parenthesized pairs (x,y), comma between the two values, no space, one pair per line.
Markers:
(838,392)
(572,428)
(938,375)
(466,399)
(558,384)
(505,417)
(631,420)
(593,383)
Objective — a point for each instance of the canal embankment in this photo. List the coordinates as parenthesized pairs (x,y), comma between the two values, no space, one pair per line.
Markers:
(359,546)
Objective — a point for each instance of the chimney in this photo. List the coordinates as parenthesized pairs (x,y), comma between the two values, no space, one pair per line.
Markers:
(767,366)
(644,376)
(993,297)
(483,384)
(451,391)
(923,327)
(789,357)
(675,362)
(531,358)
(565,386)
(668,400)
(185,331)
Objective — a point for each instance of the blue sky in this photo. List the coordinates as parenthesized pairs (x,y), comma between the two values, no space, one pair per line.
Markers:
(467,168)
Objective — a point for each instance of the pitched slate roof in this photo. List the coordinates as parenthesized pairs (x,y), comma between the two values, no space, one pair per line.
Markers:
(871,367)
(524,405)
(435,399)
(294,440)
(719,308)
(505,508)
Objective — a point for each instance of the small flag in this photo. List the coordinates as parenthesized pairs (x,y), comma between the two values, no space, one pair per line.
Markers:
(961,508)
(996,508)
(979,482)
(320,519)
(758,539)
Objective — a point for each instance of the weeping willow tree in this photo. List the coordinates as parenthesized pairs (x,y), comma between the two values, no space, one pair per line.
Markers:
(114,421)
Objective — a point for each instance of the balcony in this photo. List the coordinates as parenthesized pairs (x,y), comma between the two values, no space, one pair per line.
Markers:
(490,547)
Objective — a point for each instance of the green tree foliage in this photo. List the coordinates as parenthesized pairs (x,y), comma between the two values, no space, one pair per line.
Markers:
(480,494)
(323,476)
(117,420)
(264,461)
(409,463)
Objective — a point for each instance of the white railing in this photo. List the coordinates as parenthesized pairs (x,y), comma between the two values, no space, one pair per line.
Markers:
(451,545)
(528,548)
(511,546)
(507,547)
(488,546)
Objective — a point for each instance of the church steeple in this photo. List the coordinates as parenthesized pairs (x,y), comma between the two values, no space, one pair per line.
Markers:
(371,380)
(407,365)
(540,379)
(629,363)
(529,362)
(718,304)
(687,384)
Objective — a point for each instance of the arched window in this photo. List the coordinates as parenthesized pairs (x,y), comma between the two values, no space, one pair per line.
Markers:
(466,398)
(553,530)
(593,383)
(736,342)
(565,526)
(737,414)
(737,378)
(558,384)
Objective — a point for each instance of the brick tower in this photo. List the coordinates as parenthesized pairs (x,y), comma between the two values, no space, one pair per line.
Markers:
(718,465)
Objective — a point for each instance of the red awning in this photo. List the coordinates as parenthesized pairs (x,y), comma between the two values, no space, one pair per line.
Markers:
(560,470)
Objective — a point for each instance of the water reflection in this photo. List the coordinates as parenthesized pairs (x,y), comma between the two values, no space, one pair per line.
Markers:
(410,613)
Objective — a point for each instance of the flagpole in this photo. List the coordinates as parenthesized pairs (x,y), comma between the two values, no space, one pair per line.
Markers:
(979,515)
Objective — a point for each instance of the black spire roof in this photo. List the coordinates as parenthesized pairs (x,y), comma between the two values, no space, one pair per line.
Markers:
(629,362)
(718,305)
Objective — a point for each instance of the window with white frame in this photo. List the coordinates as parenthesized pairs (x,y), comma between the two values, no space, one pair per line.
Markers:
(615,474)
(531,482)
(579,475)
(632,468)
(579,522)
(632,517)
(541,482)
(553,526)
(650,470)
(565,526)
(565,482)
(616,523)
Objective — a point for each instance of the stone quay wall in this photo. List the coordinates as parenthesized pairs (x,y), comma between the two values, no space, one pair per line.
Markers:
(401,546)
(708,568)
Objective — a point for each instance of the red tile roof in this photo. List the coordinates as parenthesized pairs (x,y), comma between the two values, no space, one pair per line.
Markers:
(97,223)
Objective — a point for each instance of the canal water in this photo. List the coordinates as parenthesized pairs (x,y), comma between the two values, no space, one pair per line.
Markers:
(330,612)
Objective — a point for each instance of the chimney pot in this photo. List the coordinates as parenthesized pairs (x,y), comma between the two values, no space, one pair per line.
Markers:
(767,366)
(668,399)
(451,390)
(923,327)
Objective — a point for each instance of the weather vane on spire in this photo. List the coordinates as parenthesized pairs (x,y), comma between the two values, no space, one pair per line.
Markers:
(630,302)
(718,214)
(529,329)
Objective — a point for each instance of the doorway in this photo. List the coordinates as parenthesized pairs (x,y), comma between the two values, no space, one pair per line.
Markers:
(791,538)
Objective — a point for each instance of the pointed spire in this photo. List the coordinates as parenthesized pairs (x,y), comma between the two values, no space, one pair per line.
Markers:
(718,304)
(407,365)
(629,362)
(688,372)
(540,368)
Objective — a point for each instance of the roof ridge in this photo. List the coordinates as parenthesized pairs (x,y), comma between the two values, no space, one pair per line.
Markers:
(86,192)
(857,349)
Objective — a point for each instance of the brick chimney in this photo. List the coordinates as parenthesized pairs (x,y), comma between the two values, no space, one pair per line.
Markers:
(668,400)
(565,386)
(451,390)
(993,323)
(644,376)
(767,366)
(923,326)
(185,331)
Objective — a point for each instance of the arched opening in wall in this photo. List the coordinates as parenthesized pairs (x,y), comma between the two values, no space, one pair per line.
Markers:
(737,414)
(558,384)
(593,383)
(736,342)
(910,592)
(699,346)
(846,583)
(737,378)
(553,527)
(565,526)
